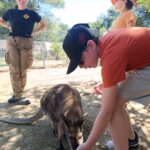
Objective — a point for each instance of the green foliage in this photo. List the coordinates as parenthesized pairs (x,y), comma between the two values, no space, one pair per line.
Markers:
(55,28)
(104,22)
(3,32)
(54,32)
(1,5)
(33,4)
(145,3)
(57,31)
(57,51)
(143,17)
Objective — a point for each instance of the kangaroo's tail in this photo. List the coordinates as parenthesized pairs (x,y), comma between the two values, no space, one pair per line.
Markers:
(23,121)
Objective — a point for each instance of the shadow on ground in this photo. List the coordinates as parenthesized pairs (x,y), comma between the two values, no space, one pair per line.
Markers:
(39,136)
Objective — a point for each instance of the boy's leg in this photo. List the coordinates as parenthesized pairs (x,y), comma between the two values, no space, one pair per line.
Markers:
(135,87)
(131,134)
(119,129)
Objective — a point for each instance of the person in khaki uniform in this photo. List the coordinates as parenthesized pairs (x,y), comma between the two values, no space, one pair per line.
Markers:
(20,22)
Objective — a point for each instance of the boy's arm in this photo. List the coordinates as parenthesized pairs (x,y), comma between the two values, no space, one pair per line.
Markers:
(4,24)
(41,26)
(109,102)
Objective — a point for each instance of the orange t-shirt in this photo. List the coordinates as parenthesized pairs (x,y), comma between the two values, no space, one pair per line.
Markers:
(123,50)
(123,20)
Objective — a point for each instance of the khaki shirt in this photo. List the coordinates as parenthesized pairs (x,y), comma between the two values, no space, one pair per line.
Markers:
(124,19)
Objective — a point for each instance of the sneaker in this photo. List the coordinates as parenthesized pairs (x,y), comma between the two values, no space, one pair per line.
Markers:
(133,144)
(20,101)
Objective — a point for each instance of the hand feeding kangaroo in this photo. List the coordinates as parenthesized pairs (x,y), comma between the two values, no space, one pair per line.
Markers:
(62,104)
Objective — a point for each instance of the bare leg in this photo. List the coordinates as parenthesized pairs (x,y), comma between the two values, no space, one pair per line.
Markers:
(119,128)
(130,128)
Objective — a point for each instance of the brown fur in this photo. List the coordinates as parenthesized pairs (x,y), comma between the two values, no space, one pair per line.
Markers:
(63,105)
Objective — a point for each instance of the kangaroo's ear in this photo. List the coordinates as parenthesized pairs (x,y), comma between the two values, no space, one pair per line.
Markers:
(62,128)
(84,117)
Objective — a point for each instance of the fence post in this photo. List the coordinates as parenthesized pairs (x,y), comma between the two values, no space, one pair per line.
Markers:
(44,52)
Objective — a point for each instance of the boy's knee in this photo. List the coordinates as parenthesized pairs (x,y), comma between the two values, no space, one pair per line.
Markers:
(121,102)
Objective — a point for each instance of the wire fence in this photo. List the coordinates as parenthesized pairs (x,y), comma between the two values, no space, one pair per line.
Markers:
(43,54)
(2,57)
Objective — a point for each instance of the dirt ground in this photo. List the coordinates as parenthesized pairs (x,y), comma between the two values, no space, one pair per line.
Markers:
(38,136)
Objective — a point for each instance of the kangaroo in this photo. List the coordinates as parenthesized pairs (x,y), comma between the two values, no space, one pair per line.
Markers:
(62,104)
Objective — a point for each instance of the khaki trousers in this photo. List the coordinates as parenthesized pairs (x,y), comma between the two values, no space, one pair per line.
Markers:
(19,57)
(136,86)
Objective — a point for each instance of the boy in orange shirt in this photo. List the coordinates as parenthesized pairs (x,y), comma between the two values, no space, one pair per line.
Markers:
(120,51)
(126,18)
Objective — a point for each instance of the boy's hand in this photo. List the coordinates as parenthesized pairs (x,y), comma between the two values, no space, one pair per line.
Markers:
(98,89)
(83,147)
(9,28)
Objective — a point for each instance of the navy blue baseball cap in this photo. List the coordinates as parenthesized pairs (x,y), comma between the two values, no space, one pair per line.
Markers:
(75,42)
